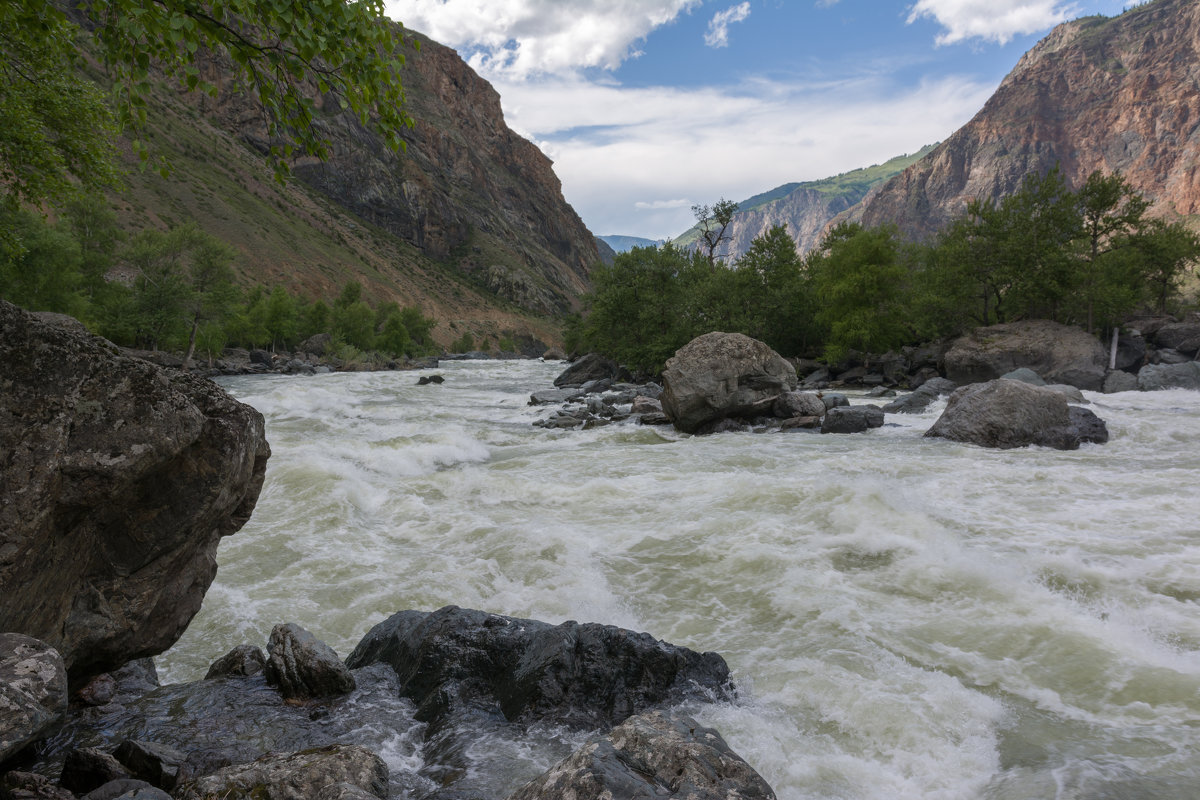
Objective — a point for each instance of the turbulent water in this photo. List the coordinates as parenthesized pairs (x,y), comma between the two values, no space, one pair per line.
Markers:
(907,618)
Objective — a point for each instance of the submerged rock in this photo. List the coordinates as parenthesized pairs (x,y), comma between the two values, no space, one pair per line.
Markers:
(720,375)
(651,755)
(1007,414)
(33,691)
(129,475)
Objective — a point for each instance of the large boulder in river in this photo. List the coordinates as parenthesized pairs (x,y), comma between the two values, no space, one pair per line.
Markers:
(33,691)
(1057,353)
(1007,414)
(658,754)
(720,375)
(592,367)
(119,479)
(582,675)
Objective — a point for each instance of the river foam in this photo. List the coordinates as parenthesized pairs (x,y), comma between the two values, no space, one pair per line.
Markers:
(909,618)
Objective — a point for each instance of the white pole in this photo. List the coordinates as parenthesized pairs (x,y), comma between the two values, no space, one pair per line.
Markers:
(1112,353)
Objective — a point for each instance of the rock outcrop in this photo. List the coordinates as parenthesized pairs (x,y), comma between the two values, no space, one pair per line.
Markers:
(1095,94)
(120,479)
(651,755)
(33,691)
(1057,353)
(723,375)
(1007,414)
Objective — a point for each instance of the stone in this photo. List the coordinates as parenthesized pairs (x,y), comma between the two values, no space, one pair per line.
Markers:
(18,785)
(127,789)
(1091,429)
(344,791)
(157,764)
(657,754)
(129,476)
(801,423)
(1169,376)
(294,776)
(243,660)
(834,400)
(1072,394)
(817,380)
(33,691)
(1024,375)
(88,768)
(1176,335)
(1131,351)
(721,375)
(1118,381)
(554,354)
(723,425)
(852,419)
(317,344)
(425,380)
(921,398)
(591,367)
(1006,414)
(798,404)
(261,357)
(586,675)
(98,691)
(654,418)
(547,397)
(881,391)
(1057,353)
(303,667)
(1168,356)
(645,405)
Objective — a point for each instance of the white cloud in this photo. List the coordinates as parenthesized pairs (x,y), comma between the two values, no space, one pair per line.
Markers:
(658,205)
(718,26)
(522,38)
(991,20)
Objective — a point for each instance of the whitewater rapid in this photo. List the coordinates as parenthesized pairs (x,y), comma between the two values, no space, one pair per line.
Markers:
(908,619)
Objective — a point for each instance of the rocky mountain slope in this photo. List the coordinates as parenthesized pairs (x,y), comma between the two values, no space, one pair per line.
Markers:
(469,221)
(1098,93)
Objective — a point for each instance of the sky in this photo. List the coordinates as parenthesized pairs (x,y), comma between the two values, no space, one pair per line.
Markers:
(649,107)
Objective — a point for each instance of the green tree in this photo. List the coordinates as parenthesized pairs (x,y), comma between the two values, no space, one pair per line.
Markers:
(778,309)
(45,272)
(211,294)
(419,327)
(281,318)
(354,324)
(1167,253)
(1112,215)
(393,337)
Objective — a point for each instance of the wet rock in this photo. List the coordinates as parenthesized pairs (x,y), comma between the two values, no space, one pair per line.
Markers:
(158,764)
(1072,394)
(303,667)
(798,404)
(242,660)
(1024,375)
(658,754)
(295,776)
(881,391)
(98,691)
(33,691)
(654,418)
(852,419)
(344,791)
(1058,353)
(817,380)
(127,789)
(1118,381)
(135,679)
(723,425)
(645,405)
(17,785)
(130,476)
(425,380)
(721,375)
(1007,414)
(88,768)
(592,367)
(547,397)
(801,423)
(834,400)
(1169,376)
(1091,429)
(581,675)
(922,398)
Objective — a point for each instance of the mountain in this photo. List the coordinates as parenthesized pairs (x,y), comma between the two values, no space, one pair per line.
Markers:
(804,209)
(623,244)
(1098,93)
(468,222)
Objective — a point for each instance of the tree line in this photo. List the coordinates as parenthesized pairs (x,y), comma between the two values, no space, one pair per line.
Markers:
(1088,257)
(175,290)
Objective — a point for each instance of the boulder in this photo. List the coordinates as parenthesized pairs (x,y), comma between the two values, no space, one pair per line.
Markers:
(317,344)
(1058,353)
(87,768)
(657,754)
(1131,351)
(243,660)
(426,380)
(592,367)
(303,667)
(1168,356)
(721,375)
(98,691)
(294,776)
(1072,394)
(554,354)
(33,691)
(1118,381)
(1007,414)
(580,675)
(1091,429)
(158,764)
(852,419)
(1169,376)
(919,400)
(128,477)
(834,400)
(31,786)
(798,404)
(645,405)
(547,397)
(1024,375)
(127,789)
(1178,336)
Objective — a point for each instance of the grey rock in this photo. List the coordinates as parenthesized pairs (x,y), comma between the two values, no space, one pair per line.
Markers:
(1007,414)
(817,380)
(650,389)
(127,789)
(1168,356)
(1091,429)
(303,667)
(1072,394)
(33,691)
(1024,375)
(658,754)
(922,398)
(834,400)
(88,768)
(1058,353)
(1131,351)
(1169,376)
(798,404)
(645,405)
(801,423)
(1118,381)
(294,776)
(426,380)
(852,419)
(549,397)
(596,386)
(1176,334)
(654,418)
(720,375)
(98,691)
(17,785)
(554,354)
(587,675)
(317,344)
(881,391)
(158,764)
(344,791)
(723,425)
(243,660)
(130,476)
(261,357)
(591,367)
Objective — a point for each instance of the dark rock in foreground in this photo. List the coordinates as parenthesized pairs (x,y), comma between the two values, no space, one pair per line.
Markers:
(454,660)
(1057,353)
(651,755)
(303,775)
(1007,414)
(129,477)
(722,375)
(303,667)
(33,691)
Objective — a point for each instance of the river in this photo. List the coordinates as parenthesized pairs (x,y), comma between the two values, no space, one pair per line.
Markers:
(907,618)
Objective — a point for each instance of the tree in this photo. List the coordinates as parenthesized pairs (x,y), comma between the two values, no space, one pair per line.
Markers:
(211,292)
(782,311)
(54,126)
(714,222)
(1167,251)
(1112,214)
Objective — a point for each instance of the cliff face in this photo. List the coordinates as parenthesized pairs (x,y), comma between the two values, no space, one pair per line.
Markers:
(1119,94)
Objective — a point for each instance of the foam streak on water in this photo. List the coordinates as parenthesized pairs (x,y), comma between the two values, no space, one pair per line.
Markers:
(912,618)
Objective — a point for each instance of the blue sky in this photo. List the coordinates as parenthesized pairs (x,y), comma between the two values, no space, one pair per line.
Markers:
(648,107)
